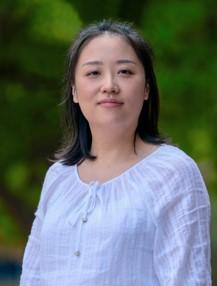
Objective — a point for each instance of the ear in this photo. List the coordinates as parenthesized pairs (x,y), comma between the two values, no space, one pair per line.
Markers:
(146,93)
(74,94)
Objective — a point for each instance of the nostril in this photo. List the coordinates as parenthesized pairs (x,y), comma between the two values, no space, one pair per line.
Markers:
(114,88)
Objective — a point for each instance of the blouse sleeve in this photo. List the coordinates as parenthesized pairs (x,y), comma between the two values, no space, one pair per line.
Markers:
(182,242)
(30,268)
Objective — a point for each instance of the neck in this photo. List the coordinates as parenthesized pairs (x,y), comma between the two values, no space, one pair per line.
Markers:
(110,147)
(115,154)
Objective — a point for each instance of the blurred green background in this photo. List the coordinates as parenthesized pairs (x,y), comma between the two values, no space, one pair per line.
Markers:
(34,38)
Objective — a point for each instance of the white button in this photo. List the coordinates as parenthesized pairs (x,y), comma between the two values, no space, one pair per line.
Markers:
(84,219)
(77,253)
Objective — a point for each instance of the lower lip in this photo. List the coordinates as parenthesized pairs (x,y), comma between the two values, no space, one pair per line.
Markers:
(110,104)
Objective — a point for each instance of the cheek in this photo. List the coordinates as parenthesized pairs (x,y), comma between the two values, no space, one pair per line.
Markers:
(85,99)
(137,94)
(86,110)
(136,101)
(85,89)
(84,94)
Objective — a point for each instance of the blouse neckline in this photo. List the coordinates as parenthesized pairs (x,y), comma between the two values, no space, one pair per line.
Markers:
(122,174)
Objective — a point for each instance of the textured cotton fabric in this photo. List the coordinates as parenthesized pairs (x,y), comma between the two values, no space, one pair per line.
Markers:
(148,226)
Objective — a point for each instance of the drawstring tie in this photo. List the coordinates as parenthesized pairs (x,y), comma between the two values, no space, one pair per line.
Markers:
(89,207)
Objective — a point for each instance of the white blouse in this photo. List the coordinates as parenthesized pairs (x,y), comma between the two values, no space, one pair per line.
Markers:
(148,226)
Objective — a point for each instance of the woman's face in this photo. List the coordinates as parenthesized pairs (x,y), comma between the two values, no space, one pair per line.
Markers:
(110,83)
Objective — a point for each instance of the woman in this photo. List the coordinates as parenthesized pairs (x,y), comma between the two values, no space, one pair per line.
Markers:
(120,207)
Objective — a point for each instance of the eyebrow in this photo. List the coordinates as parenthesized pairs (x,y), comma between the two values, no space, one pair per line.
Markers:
(126,61)
(92,63)
(122,61)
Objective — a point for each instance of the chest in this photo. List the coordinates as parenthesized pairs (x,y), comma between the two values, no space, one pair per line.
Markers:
(112,217)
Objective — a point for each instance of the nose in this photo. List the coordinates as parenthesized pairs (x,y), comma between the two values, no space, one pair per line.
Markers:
(110,85)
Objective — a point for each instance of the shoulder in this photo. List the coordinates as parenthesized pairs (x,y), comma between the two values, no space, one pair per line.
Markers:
(169,168)
(173,155)
(54,175)
(173,163)
(57,169)
(176,180)
(176,174)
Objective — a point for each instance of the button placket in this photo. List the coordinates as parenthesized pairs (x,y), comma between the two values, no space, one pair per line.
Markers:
(77,251)
(84,219)
(90,205)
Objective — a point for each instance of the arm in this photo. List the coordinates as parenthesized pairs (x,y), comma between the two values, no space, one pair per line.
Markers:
(182,243)
(31,261)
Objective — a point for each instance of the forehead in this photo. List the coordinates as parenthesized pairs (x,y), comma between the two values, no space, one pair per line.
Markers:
(107,45)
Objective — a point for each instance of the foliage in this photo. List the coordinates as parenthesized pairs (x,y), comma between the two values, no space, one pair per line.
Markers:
(185,48)
(35,37)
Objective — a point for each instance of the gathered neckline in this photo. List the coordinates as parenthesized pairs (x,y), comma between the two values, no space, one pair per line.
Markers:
(123,173)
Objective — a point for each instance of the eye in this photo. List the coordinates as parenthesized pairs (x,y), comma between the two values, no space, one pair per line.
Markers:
(93,73)
(125,72)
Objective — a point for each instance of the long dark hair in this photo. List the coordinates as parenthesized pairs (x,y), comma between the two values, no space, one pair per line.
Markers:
(77,138)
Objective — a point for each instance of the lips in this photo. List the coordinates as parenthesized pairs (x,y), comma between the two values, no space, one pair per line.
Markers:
(110,102)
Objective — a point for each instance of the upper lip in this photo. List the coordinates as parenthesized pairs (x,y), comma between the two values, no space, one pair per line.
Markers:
(107,100)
